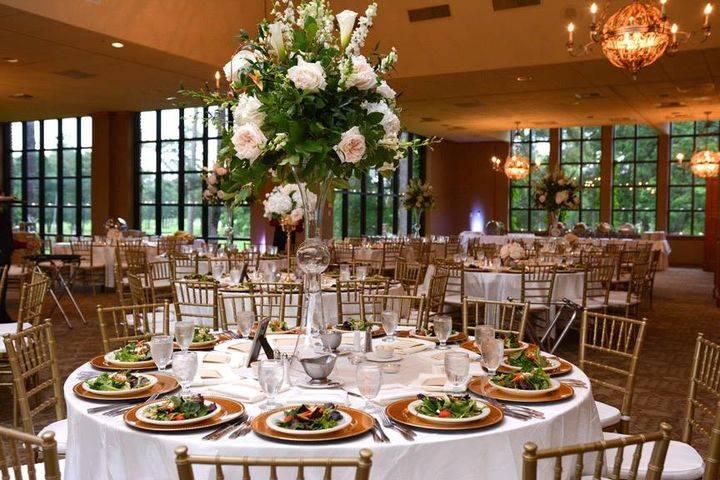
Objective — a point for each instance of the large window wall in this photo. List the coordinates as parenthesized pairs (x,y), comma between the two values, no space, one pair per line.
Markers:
(48,166)
(535,145)
(686,206)
(373,204)
(173,147)
(580,157)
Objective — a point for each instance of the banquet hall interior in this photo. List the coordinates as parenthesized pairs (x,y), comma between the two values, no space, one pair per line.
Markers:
(409,239)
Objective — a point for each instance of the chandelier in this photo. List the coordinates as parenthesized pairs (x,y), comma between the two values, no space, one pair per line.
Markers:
(637,35)
(517,167)
(704,163)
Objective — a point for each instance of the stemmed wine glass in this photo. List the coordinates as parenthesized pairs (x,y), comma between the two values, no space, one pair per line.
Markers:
(390,321)
(245,321)
(492,350)
(482,332)
(457,369)
(184,332)
(369,381)
(184,368)
(443,328)
(161,347)
(270,375)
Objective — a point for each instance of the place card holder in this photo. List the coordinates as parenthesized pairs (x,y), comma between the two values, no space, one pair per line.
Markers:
(259,340)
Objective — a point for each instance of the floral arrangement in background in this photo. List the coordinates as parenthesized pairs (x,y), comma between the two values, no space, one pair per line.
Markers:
(183,237)
(307,105)
(216,184)
(419,196)
(556,193)
(512,251)
(283,205)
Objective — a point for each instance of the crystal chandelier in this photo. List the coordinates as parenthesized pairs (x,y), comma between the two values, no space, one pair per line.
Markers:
(517,167)
(637,35)
(704,163)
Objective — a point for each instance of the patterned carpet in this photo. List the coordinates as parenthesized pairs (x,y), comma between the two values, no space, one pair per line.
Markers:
(683,307)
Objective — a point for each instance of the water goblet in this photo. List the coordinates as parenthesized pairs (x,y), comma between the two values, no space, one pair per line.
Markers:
(390,321)
(443,327)
(161,347)
(369,382)
(217,272)
(272,250)
(344,272)
(184,368)
(270,376)
(184,332)
(235,276)
(481,332)
(361,272)
(245,321)
(492,350)
(457,369)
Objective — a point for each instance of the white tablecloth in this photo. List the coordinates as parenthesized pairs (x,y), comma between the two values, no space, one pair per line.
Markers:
(103,448)
(499,286)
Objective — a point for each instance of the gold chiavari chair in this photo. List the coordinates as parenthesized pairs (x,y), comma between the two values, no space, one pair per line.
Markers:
(408,307)
(185,462)
(630,301)
(597,280)
(609,352)
(292,299)
(369,266)
(138,292)
(168,245)
(435,297)
(600,469)
(344,253)
(252,258)
(410,275)
(490,250)
(32,299)
(137,263)
(349,296)
(127,323)
(90,271)
(260,304)
(455,290)
(453,246)
(537,283)
(419,250)
(505,316)
(160,278)
(391,252)
(120,284)
(181,267)
(32,354)
(196,302)
(16,445)
(649,286)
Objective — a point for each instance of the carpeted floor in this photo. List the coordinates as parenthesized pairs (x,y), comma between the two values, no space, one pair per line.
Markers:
(683,307)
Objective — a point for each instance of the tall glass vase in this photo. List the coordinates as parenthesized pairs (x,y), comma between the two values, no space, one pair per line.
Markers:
(553,224)
(229,230)
(416,222)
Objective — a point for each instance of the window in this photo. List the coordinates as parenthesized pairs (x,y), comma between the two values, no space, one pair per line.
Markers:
(634,199)
(373,204)
(49,169)
(580,152)
(686,212)
(173,147)
(535,145)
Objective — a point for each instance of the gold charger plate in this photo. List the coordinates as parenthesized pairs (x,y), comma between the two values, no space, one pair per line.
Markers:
(361,423)
(165,384)
(458,337)
(231,409)
(209,345)
(399,412)
(100,363)
(562,369)
(480,386)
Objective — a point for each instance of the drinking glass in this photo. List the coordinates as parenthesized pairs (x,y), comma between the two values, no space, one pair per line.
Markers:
(361,272)
(390,321)
(272,250)
(369,381)
(457,369)
(481,332)
(270,375)
(161,347)
(443,327)
(184,332)
(492,350)
(245,321)
(344,273)
(235,275)
(357,354)
(217,272)
(184,368)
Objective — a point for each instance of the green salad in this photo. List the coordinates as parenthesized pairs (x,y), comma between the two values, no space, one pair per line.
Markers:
(200,277)
(528,359)
(510,339)
(136,351)
(304,417)
(451,406)
(202,334)
(355,324)
(180,408)
(429,331)
(278,326)
(534,380)
(118,381)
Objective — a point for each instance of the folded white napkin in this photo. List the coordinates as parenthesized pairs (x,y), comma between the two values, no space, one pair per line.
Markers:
(244,390)
(213,374)
(391,392)
(430,382)
(297,395)
(405,346)
(231,358)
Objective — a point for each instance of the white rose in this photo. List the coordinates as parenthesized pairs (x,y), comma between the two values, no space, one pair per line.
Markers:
(542,199)
(386,90)
(363,76)
(277,203)
(247,110)
(297,215)
(277,42)
(249,141)
(351,147)
(239,64)
(387,167)
(211,179)
(561,197)
(390,122)
(307,76)
(346,22)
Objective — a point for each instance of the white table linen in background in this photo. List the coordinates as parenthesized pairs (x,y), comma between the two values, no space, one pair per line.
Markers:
(103,448)
(499,286)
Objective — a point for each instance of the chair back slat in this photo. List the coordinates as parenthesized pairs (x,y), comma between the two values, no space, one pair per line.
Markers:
(292,303)
(16,446)
(196,302)
(408,307)
(505,316)
(349,296)
(127,323)
(32,299)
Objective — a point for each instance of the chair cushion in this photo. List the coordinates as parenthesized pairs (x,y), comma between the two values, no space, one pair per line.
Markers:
(618,297)
(11,328)
(39,471)
(60,428)
(683,462)
(608,414)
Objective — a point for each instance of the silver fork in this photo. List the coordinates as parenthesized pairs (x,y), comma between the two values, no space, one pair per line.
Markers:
(407,434)
(507,410)
(117,406)
(243,430)
(125,408)
(380,431)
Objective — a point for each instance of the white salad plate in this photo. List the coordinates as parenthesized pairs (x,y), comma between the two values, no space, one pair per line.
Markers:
(141,415)
(412,408)
(272,422)
(152,380)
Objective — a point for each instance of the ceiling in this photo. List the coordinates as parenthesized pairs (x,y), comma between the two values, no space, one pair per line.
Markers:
(467,77)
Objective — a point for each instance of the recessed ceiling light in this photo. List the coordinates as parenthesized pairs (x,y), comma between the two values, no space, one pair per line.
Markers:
(117,44)
(523,78)
(10,60)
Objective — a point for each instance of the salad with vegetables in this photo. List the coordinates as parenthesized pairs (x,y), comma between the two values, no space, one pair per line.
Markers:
(202,335)
(278,326)
(180,408)
(429,331)
(118,381)
(451,406)
(510,339)
(528,359)
(355,324)
(534,380)
(200,277)
(136,351)
(308,418)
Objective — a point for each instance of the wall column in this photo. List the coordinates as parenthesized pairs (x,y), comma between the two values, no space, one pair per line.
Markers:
(606,174)
(663,181)
(554,150)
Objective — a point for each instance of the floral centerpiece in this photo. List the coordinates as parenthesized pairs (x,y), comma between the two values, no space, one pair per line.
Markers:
(419,197)
(555,193)
(512,252)
(283,206)
(219,191)
(184,238)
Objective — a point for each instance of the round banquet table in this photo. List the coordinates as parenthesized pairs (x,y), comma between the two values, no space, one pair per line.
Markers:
(104,448)
(498,286)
